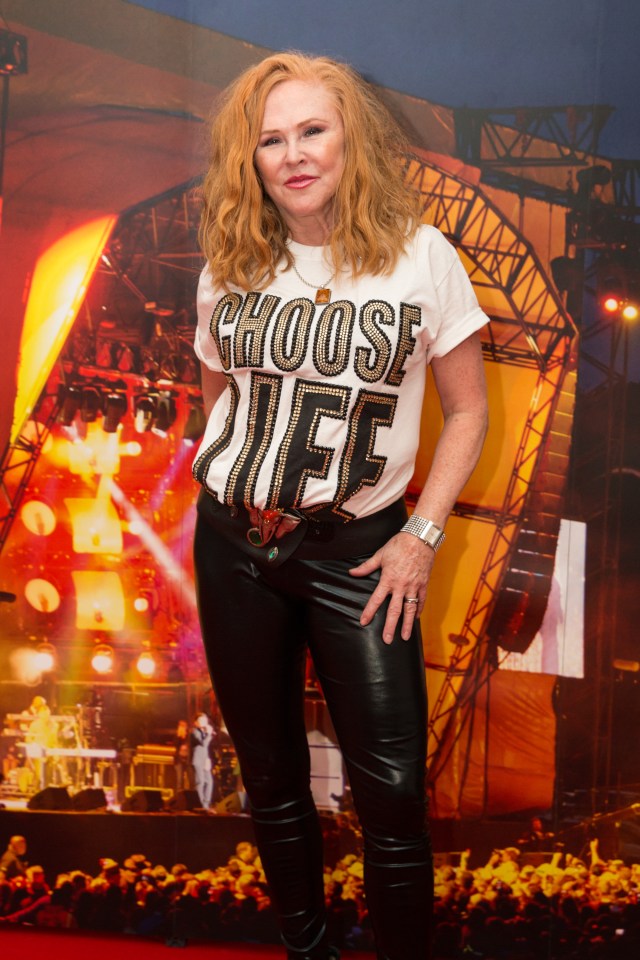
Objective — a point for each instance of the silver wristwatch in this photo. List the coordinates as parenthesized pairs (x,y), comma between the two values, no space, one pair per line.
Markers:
(425,530)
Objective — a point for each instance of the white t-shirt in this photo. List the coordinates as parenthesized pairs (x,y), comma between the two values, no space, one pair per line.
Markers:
(324,402)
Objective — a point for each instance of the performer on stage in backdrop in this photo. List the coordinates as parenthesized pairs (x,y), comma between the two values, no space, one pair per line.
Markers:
(181,763)
(201,763)
(536,837)
(322,302)
(41,734)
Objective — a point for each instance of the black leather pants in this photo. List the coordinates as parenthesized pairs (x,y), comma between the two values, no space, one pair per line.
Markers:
(256,623)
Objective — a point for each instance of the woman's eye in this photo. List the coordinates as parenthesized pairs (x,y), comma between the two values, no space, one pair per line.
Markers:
(311,131)
(269,141)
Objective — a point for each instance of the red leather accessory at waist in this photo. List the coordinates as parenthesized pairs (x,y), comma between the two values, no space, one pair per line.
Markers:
(310,539)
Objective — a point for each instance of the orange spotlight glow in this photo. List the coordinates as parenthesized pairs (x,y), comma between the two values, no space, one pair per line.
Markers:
(131,449)
(611,304)
(42,595)
(141,604)
(630,311)
(102,659)
(99,453)
(58,286)
(45,658)
(38,518)
(146,664)
(24,666)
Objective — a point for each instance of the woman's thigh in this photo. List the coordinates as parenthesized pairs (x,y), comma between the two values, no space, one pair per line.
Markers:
(376,697)
(256,656)
(256,626)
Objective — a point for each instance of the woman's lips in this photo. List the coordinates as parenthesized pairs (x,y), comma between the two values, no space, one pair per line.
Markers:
(298,182)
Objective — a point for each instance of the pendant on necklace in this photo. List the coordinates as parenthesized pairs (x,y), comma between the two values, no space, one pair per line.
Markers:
(323,295)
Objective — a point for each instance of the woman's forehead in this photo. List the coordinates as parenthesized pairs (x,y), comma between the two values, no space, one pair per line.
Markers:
(298,98)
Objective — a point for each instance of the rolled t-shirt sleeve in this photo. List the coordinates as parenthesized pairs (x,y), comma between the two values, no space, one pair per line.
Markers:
(204,345)
(460,312)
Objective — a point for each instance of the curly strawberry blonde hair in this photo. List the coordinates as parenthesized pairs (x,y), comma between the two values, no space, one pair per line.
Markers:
(242,233)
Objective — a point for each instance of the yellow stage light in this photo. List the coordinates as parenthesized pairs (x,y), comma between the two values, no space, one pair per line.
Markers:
(95,524)
(57,289)
(45,657)
(146,665)
(102,659)
(99,453)
(141,604)
(38,518)
(42,595)
(99,600)
(24,666)
(630,312)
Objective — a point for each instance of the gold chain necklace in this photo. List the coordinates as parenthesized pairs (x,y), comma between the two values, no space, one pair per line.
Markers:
(323,292)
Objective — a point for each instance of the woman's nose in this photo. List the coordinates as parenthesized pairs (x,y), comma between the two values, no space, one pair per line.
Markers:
(294,152)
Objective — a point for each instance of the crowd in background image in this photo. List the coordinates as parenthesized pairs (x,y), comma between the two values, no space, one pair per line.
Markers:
(565,908)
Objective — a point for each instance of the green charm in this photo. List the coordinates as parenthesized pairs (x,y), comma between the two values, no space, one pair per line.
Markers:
(254,537)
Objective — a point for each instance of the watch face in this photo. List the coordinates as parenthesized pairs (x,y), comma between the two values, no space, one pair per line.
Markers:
(433,536)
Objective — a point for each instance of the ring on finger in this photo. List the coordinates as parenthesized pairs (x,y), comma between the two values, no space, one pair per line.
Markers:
(412,600)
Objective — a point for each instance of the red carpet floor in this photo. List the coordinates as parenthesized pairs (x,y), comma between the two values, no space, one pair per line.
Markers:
(20,943)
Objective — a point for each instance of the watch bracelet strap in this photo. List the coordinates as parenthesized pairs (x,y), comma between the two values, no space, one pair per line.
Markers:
(426,530)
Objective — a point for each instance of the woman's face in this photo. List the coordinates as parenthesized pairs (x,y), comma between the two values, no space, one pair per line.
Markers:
(300,157)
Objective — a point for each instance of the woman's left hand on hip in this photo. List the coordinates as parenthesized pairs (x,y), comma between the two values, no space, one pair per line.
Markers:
(405,566)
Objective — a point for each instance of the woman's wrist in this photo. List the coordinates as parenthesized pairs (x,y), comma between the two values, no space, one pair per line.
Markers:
(426,530)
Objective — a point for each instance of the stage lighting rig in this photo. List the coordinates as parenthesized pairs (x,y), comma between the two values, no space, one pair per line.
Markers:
(115,407)
(618,283)
(166,413)
(90,404)
(69,399)
(42,595)
(102,659)
(155,410)
(38,517)
(45,657)
(13,61)
(144,416)
(160,308)
(13,54)
(195,424)
(146,665)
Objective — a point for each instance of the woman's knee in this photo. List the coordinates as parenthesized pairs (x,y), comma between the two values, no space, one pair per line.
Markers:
(277,785)
(394,808)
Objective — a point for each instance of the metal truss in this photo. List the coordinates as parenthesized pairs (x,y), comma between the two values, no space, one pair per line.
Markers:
(534,322)
(139,314)
(20,459)
(535,331)
(626,187)
(475,655)
(529,136)
(135,327)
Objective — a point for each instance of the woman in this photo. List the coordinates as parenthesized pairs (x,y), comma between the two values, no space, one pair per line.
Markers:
(322,302)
